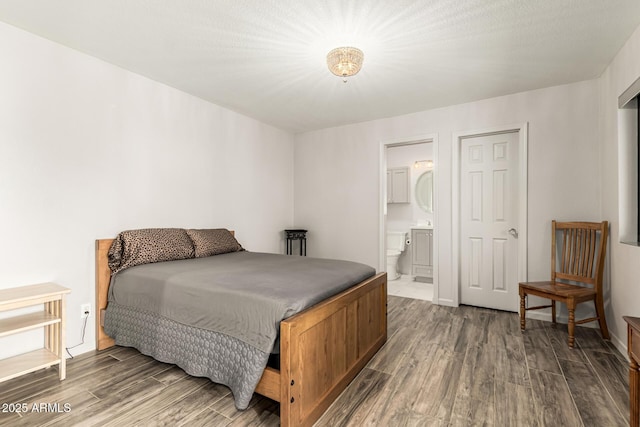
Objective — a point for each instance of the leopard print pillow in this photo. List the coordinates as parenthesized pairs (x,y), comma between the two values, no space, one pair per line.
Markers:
(214,241)
(144,246)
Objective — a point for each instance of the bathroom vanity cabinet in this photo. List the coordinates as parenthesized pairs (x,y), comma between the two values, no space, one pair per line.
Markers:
(422,253)
(398,185)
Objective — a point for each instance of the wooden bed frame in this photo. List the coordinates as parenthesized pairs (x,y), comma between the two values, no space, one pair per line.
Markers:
(321,349)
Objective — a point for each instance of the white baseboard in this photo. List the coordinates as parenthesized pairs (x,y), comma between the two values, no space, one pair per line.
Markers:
(538,315)
(560,318)
(445,302)
(620,345)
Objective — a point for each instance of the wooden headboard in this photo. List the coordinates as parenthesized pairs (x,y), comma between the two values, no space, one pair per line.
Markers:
(103,278)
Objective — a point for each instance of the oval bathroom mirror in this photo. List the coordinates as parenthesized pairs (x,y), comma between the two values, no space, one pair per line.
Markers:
(424,191)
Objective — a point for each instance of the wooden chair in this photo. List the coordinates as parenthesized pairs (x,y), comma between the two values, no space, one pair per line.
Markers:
(576,273)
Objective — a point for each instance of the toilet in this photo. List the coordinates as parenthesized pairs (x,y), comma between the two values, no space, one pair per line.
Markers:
(396,242)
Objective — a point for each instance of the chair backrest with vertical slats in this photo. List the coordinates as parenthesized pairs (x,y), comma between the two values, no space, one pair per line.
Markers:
(582,249)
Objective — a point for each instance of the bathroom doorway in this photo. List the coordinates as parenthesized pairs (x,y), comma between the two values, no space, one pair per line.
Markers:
(408,217)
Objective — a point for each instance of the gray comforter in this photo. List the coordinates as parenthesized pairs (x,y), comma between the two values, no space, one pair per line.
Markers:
(239,298)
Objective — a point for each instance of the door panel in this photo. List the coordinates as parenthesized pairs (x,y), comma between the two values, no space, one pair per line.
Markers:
(488,209)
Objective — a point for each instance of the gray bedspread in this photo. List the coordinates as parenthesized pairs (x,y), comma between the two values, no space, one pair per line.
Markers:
(221,358)
(241,294)
(220,316)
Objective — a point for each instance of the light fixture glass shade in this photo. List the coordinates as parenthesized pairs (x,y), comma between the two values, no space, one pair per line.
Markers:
(423,163)
(345,61)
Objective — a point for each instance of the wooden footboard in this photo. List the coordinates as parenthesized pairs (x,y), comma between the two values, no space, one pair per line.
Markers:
(321,349)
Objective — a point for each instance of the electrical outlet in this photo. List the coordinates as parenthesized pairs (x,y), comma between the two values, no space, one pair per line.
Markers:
(85,310)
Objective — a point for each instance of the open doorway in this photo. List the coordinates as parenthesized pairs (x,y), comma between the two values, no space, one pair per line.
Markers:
(408,225)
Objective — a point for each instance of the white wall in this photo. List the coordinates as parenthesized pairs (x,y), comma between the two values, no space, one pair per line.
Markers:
(337,174)
(625,259)
(88,149)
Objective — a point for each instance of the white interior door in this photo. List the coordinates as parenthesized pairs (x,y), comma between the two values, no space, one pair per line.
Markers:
(489,221)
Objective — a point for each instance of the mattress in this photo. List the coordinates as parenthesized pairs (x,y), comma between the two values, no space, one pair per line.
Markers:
(225,303)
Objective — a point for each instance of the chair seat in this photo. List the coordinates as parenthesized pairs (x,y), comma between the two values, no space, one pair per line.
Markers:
(558,288)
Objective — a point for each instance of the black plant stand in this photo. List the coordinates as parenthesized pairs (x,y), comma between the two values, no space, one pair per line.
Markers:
(296,234)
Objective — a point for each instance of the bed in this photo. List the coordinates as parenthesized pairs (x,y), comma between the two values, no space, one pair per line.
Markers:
(321,349)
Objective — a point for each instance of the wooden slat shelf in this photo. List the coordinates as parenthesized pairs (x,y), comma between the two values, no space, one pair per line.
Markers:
(26,322)
(27,362)
(51,297)
(26,296)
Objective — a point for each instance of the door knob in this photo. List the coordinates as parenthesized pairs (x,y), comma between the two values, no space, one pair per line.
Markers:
(513,232)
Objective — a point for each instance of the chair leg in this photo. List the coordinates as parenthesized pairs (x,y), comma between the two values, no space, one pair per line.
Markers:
(553,311)
(601,319)
(571,307)
(523,311)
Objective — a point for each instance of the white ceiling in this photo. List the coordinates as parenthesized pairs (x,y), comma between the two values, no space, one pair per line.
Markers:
(266,58)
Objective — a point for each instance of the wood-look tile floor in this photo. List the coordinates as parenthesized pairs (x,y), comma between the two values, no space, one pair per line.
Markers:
(441,366)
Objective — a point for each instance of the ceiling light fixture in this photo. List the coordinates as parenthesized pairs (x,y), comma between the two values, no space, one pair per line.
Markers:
(345,61)
(423,163)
